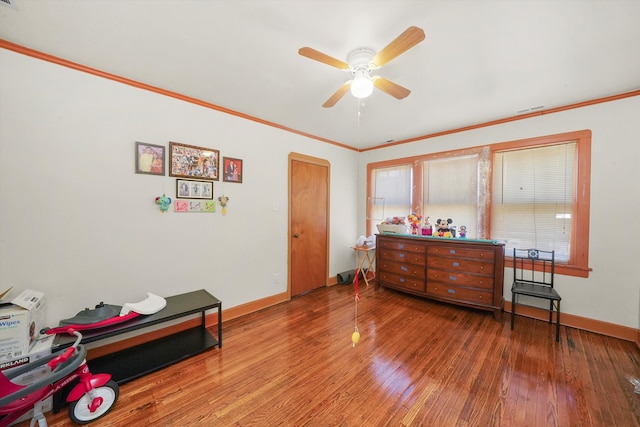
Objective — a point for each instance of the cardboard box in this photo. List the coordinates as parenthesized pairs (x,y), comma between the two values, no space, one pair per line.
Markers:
(41,348)
(20,324)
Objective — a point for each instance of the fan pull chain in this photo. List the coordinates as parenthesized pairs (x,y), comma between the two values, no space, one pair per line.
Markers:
(355,337)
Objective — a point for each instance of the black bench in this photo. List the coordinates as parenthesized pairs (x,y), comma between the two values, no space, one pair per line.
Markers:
(134,362)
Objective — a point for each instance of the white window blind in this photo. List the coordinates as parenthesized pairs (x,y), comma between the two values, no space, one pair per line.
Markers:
(533,198)
(450,190)
(391,192)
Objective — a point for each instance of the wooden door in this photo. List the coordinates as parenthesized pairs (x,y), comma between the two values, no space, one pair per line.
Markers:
(308,223)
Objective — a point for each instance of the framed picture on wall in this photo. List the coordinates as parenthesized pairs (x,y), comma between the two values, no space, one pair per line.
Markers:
(150,158)
(232,169)
(189,161)
(191,189)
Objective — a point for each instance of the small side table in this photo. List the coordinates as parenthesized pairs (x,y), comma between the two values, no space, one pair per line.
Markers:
(365,257)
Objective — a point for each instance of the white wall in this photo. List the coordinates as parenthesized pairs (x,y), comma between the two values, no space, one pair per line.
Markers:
(610,293)
(77,223)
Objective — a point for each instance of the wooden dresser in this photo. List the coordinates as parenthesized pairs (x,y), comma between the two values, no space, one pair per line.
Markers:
(458,271)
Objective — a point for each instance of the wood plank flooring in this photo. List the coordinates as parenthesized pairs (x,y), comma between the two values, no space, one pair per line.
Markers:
(418,363)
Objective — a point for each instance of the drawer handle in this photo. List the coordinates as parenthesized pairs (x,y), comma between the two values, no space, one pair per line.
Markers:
(456,264)
(451,291)
(401,280)
(454,278)
(452,251)
(400,246)
(403,268)
(401,255)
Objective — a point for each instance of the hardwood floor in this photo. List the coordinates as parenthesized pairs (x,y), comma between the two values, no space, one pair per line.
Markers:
(418,363)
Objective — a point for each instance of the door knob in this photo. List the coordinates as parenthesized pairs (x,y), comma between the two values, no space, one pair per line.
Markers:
(296,235)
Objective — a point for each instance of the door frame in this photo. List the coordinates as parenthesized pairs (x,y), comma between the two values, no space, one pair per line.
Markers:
(315,161)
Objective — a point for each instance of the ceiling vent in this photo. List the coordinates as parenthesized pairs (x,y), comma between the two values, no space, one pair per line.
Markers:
(530,109)
(10,3)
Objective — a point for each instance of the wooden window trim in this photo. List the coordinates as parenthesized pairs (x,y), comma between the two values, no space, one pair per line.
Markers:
(579,246)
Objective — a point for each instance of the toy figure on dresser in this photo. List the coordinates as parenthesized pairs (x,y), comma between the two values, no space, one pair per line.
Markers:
(444,228)
(415,220)
(427,228)
(462,233)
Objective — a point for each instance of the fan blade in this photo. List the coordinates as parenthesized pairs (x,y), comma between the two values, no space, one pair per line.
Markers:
(337,95)
(321,57)
(405,41)
(390,87)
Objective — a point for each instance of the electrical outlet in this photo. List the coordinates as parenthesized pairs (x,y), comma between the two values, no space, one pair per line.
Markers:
(276,278)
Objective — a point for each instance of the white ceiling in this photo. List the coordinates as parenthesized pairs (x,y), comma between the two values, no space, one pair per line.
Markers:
(481,60)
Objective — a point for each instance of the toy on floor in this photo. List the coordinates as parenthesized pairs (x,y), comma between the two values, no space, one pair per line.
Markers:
(92,398)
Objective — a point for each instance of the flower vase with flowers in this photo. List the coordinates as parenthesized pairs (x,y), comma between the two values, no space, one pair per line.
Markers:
(415,220)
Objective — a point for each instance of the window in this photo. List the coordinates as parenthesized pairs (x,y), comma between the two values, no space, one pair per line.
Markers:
(533,198)
(390,193)
(530,193)
(450,190)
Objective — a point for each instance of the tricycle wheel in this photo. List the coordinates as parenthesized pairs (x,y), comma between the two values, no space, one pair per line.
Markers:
(79,410)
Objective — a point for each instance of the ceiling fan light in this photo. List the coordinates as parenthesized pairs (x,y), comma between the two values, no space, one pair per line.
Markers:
(361,87)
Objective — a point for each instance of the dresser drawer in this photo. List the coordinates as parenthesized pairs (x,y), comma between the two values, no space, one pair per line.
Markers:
(400,281)
(461,265)
(458,252)
(402,269)
(461,279)
(401,246)
(402,257)
(443,290)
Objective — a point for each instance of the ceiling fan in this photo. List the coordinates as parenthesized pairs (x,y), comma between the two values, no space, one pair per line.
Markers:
(362,61)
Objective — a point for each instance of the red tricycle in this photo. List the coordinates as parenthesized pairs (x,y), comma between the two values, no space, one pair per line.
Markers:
(90,399)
